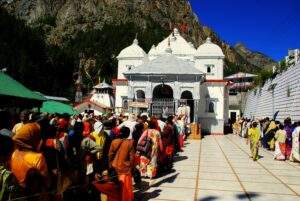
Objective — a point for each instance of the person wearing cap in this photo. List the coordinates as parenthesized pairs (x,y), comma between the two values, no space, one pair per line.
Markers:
(254,139)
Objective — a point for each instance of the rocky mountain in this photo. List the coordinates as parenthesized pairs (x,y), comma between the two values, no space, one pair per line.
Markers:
(101,28)
(253,57)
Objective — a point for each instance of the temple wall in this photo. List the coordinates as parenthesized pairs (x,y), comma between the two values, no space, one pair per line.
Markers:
(261,102)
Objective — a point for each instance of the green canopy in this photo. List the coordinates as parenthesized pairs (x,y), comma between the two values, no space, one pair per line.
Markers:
(10,87)
(57,107)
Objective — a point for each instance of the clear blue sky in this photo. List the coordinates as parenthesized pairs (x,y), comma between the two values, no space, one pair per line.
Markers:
(268,26)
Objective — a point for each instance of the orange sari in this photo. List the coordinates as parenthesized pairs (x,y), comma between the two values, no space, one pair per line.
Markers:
(126,187)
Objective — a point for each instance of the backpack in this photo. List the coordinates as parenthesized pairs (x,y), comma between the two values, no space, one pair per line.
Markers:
(145,146)
(6,184)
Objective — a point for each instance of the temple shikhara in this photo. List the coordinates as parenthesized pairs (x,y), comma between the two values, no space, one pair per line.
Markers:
(174,77)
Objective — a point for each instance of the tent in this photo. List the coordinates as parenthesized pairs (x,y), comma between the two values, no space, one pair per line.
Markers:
(11,87)
(57,107)
(16,96)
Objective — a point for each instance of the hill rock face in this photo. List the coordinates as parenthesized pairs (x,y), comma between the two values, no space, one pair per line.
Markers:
(62,20)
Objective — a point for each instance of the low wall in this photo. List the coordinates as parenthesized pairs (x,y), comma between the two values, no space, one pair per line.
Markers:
(285,97)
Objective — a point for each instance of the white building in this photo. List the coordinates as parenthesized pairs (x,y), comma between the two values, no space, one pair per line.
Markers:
(100,101)
(293,57)
(171,74)
(102,94)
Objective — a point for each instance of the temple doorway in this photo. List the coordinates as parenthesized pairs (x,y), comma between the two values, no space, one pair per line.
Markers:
(187,97)
(162,101)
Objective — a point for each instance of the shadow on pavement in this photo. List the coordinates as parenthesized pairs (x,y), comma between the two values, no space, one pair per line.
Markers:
(170,179)
(241,196)
(180,158)
(144,193)
(209,198)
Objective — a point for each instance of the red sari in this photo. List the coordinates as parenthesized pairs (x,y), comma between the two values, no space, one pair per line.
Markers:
(167,137)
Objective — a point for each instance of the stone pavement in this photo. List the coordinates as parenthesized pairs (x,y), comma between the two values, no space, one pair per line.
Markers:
(219,168)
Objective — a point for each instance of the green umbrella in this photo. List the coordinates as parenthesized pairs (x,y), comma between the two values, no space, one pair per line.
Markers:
(58,107)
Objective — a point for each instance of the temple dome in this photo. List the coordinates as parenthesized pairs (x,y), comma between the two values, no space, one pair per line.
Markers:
(152,51)
(132,51)
(209,49)
(179,46)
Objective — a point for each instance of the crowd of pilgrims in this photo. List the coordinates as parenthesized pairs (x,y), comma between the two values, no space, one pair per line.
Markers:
(280,137)
(84,157)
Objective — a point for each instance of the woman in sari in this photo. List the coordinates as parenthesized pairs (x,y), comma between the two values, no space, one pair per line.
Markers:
(267,140)
(180,130)
(148,162)
(236,127)
(280,138)
(295,153)
(254,138)
(289,139)
(167,137)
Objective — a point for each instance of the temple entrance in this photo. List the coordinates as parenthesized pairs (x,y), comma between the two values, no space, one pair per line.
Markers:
(162,101)
(187,97)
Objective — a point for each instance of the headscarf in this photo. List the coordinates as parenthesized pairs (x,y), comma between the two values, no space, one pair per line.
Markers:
(98,126)
(271,126)
(28,137)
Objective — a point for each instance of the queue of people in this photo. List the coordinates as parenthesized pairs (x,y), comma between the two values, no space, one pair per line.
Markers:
(282,138)
(58,157)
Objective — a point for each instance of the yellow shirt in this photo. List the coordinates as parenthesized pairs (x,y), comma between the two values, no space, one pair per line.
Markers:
(22,161)
(99,138)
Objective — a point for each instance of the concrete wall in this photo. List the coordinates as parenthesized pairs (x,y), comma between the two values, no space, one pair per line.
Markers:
(120,91)
(105,99)
(212,122)
(261,102)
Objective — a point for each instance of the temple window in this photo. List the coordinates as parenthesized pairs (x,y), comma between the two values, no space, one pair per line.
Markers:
(129,67)
(140,96)
(209,68)
(211,105)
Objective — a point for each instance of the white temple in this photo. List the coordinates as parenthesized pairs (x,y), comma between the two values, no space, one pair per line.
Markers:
(101,100)
(102,94)
(174,73)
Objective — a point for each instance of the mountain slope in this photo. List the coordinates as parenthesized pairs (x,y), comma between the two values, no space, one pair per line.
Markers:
(101,28)
(255,58)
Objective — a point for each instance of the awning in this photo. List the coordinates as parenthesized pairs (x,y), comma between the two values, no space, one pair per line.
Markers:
(11,87)
(57,107)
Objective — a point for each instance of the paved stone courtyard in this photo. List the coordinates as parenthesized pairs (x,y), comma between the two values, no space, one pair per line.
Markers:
(219,168)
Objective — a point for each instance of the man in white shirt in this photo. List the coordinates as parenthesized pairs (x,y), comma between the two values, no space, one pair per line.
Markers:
(130,123)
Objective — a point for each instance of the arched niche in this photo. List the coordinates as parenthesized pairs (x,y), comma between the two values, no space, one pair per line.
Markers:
(162,91)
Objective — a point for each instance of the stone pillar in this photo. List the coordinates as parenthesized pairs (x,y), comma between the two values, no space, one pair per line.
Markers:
(130,92)
(148,91)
